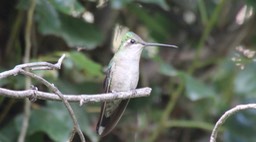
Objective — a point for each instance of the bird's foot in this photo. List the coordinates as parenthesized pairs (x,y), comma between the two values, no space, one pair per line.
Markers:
(115,93)
(33,97)
(134,92)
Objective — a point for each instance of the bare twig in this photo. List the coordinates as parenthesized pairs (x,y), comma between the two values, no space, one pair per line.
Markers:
(32,66)
(72,135)
(42,65)
(37,65)
(56,91)
(225,116)
(25,121)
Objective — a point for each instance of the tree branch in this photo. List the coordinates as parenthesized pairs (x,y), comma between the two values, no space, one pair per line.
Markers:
(225,116)
(33,66)
(43,65)
(82,98)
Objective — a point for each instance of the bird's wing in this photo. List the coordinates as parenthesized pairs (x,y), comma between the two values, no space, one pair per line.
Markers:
(108,77)
(107,123)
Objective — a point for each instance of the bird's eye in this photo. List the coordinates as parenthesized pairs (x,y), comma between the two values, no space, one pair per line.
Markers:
(132,41)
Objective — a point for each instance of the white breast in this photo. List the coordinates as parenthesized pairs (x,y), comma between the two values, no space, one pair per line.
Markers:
(125,76)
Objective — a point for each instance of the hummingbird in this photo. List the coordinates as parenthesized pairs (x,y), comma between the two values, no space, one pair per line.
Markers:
(122,75)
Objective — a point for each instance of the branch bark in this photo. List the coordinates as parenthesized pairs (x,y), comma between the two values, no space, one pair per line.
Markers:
(81,98)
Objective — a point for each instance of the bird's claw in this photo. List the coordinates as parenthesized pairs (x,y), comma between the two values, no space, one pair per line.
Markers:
(33,97)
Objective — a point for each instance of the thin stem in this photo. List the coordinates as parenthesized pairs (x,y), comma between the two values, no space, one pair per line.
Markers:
(14,33)
(202,11)
(72,135)
(27,106)
(207,31)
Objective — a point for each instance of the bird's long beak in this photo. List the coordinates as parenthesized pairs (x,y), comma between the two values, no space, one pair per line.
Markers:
(159,44)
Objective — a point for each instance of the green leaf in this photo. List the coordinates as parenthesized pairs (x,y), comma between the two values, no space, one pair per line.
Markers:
(87,87)
(74,31)
(196,89)
(8,133)
(251,3)
(167,69)
(85,125)
(23,4)
(118,4)
(47,17)
(37,137)
(161,3)
(89,67)
(245,81)
(79,33)
(54,120)
(158,24)
(68,7)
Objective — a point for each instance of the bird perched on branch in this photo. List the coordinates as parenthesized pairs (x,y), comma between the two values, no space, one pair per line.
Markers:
(122,75)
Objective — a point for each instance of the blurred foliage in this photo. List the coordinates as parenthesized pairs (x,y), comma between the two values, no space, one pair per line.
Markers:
(192,86)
